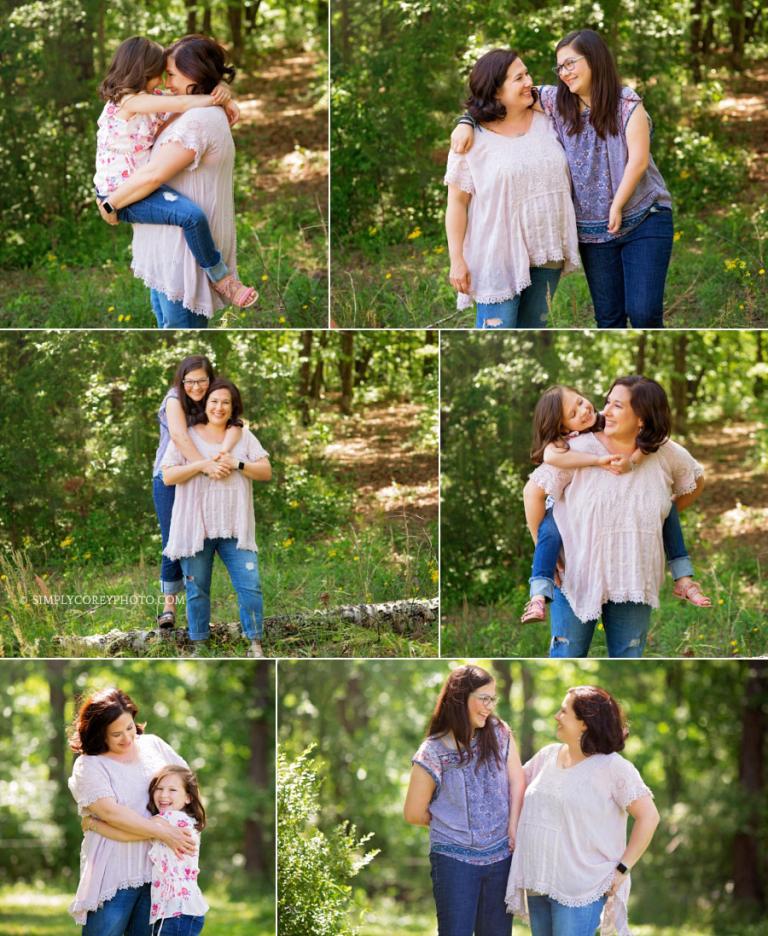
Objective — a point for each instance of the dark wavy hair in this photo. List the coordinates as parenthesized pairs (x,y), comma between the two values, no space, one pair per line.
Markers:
(203,61)
(194,411)
(451,714)
(136,62)
(221,383)
(194,807)
(96,714)
(485,79)
(601,713)
(606,86)
(548,421)
(649,402)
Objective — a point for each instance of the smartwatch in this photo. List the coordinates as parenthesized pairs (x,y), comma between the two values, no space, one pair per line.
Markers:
(622,868)
(107,207)
(240,466)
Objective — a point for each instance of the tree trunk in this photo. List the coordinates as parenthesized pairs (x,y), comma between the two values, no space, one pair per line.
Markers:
(759,360)
(674,693)
(257,859)
(63,814)
(412,617)
(504,682)
(708,39)
(679,385)
(318,376)
(526,723)
(235,19)
(695,41)
(304,378)
(207,27)
(251,16)
(346,363)
(640,357)
(191,6)
(736,29)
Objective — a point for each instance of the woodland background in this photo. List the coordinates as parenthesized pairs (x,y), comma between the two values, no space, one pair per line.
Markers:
(698,735)
(61,264)
(717,386)
(350,517)
(218,715)
(399,71)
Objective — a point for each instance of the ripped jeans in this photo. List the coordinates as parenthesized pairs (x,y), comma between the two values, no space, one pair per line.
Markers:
(626,629)
(243,568)
(528,309)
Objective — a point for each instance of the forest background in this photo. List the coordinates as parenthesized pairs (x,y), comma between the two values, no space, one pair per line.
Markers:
(350,517)
(61,264)
(218,715)
(698,735)
(399,73)
(716,385)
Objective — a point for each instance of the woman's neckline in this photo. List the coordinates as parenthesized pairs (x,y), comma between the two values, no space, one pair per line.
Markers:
(601,437)
(564,748)
(199,428)
(510,136)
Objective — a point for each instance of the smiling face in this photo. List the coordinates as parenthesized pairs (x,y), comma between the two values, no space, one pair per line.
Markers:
(577,75)
(578,413)
(480,704)
(120,735)
(218,407)
(195,384)
(569,727)
(175,81)
(154,83)
(170,793)
(621,421)
(516,91)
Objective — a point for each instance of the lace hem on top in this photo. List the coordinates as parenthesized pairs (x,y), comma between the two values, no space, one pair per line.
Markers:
(690,486)
(626,596)
(466,301)
(80,909)
(188,141)
(174,295)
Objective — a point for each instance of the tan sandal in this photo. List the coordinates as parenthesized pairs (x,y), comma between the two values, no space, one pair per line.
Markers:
(692,592)
(535,610)
(238,294)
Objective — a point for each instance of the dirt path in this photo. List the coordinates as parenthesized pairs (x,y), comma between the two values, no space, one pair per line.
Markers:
(744,111)
(735,500)
(375,448)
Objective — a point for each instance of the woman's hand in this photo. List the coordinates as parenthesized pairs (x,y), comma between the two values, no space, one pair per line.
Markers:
(105,215)
(512,832)
(618,880)
(233,113)
(180,841)
(216,470)
(614,218)
(462,138)
(221,94)
(227,460)
(616,464)
(460,276)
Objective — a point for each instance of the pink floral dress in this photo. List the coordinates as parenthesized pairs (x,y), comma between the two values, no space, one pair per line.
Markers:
(123,146)
(174,880)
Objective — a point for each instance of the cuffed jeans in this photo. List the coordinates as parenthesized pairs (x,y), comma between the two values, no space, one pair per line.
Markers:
(528,309)
(243,568)
(171,580)
(183,925)
(550,918)
(626,276)
(172,313)
(470,898)
(626,629)
(126,914)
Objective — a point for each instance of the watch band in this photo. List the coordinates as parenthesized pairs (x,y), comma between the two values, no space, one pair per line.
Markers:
(107,207)
(240,466)
(622,868)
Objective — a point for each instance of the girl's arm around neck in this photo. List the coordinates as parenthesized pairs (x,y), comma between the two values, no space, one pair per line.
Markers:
(177,426)
(420,791)
(144,103)
(566,458)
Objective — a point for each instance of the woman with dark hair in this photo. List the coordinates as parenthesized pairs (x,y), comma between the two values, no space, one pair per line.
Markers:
(195,155)
(623,207)
(183,406)
(116,759)
(611,524)
(572,860)
(510,222)
(216,515)
(467,787)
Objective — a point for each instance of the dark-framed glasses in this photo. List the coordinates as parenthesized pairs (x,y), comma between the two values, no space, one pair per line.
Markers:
(487,701)
(202,382)
(567,65)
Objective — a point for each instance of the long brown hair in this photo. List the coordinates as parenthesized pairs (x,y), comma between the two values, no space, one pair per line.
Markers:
(548,421)
(194,807)
(602,714)
(203,61)
(96,714)
(451,714)
(485,79)
(194,411)
(136,62)
(649,402)
(606,86)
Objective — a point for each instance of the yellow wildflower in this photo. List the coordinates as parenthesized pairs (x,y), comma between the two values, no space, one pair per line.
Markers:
(678,235)
(416,232)
(287,543)
(264,278)
(66,542)
(387,276)
(281,320)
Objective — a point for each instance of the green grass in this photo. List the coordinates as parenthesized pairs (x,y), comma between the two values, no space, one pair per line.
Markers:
(714,280)
(351,566)
(41,910)
(734,626)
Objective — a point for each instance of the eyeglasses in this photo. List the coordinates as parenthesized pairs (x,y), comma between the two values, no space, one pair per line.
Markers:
(487,701)
(567,65)
(196,383)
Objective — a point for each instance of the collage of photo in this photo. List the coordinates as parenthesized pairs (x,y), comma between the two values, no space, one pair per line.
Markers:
(384,486)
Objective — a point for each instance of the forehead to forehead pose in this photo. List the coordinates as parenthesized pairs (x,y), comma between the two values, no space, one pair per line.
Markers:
(108,782)
(510,220)
(572,861)
(166,159)
(617,483)
(466,786)
(622,205)
(213,511)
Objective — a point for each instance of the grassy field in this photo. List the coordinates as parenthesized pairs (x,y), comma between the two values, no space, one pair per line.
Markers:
(41,910)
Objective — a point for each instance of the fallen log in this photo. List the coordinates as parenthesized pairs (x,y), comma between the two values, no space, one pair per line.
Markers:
(410,618)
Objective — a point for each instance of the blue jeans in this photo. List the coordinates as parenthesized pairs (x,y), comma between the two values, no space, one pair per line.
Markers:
(243,568)
(183,925)
(626,629)
(549,544)
(126,914)
(626,276)
(528,309)
(172,313)
(470,898)
(550,918)
(171,581)
(167,206)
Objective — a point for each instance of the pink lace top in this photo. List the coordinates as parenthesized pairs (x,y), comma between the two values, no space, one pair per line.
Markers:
(122,146)
(107,866)
(611,524)
(572,833)
(161,257)
(203,508)
(521,214)
(174,880)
